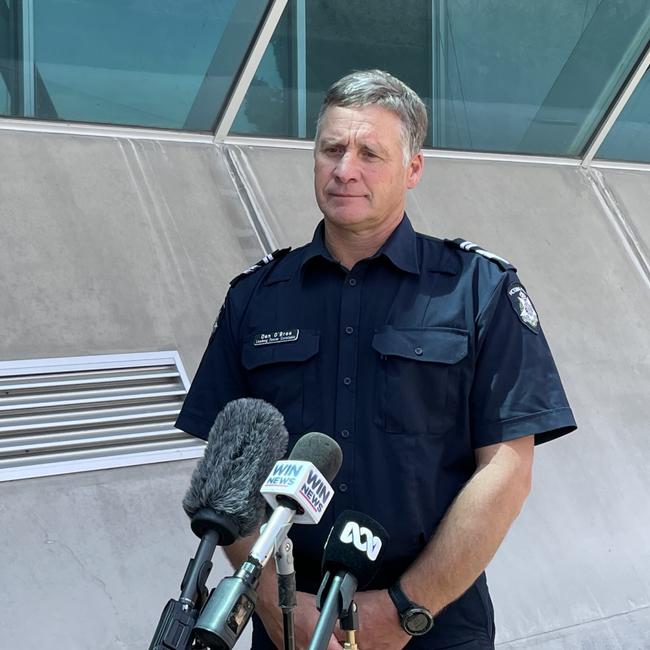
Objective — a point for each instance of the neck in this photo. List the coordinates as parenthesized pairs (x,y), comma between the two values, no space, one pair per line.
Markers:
(352,246)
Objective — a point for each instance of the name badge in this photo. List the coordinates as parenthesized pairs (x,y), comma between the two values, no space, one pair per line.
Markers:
(281,336)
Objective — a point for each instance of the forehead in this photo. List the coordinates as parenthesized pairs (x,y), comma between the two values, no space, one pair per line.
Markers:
(361,123)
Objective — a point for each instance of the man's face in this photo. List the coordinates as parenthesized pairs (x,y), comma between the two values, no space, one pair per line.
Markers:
(360,177)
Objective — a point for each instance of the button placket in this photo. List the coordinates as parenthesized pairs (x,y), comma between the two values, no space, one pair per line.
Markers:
(346,395)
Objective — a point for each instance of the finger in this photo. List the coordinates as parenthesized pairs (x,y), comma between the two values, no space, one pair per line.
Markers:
(334,644)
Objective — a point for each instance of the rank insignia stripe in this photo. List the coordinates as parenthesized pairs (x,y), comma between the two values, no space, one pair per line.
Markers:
(267,259)
(471,247)
(523,306)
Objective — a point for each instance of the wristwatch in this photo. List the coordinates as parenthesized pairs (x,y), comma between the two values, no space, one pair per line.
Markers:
(415,619)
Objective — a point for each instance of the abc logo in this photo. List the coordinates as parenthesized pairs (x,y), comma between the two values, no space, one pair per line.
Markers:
(363,539)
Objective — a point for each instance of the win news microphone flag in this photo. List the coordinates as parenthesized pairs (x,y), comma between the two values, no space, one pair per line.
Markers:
(223,502)
(299,489)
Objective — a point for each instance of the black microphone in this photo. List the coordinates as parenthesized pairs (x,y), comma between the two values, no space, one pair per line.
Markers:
(351,558)
(299,490)
(224,503)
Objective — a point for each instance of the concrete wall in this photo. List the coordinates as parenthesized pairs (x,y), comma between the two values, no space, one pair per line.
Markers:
(108,246)
(117,245)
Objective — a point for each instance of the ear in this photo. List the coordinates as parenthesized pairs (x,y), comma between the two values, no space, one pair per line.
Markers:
(414,170)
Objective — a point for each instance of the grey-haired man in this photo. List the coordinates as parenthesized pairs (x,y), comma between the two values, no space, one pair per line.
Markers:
(415,354)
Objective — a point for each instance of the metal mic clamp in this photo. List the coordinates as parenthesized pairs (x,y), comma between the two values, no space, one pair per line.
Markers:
(349,623)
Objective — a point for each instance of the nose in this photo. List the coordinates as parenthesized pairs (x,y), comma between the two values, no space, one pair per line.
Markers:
(347,169)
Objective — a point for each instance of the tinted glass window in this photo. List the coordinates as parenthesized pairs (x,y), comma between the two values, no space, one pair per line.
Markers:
(497,75)
(158,63)
(629,138)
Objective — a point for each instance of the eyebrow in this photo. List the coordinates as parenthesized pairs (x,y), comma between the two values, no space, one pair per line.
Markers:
(374,146)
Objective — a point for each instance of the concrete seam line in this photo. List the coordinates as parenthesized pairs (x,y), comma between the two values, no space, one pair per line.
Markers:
(572,626)
(247,195)
(632,241)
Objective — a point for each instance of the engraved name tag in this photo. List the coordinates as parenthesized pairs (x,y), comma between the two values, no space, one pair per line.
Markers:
(281,336)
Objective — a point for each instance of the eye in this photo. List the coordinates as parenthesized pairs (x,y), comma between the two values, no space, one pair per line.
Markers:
(331,151)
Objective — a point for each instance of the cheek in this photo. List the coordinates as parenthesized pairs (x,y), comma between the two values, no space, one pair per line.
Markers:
(322,174)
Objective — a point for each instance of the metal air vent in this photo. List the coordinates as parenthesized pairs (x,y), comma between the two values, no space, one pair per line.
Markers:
(78,414)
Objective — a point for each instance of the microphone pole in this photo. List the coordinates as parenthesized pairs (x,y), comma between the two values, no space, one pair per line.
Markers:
(174,629)
(335,600)
(286,589)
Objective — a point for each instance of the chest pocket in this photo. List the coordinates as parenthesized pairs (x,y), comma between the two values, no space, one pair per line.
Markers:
(418,383)
(286,375)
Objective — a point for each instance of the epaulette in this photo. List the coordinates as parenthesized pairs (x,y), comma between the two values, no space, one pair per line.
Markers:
(503,264)
(267,259)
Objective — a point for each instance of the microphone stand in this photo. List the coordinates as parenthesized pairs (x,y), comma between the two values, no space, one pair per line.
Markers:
(174,629)
(286,586)
(335,600)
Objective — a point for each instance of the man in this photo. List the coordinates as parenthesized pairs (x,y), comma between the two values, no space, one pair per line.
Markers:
(423,358)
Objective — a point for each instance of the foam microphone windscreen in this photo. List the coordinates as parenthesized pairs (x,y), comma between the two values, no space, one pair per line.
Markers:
(320,450)
(247,438)
(356,545)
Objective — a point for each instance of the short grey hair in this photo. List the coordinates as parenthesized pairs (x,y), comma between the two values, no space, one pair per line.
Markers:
(378,88)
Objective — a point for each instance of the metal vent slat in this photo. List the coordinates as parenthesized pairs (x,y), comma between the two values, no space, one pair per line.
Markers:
(64,402)
(36,444)
(83,413)
(60,421)
(83,454)
(19,385)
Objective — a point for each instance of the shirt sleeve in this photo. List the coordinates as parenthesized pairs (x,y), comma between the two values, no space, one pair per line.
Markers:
(516,390)
(218,380)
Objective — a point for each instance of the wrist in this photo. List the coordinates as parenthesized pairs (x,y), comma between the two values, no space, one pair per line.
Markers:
(415,619)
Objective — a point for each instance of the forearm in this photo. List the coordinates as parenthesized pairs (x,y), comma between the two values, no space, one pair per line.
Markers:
(472,529)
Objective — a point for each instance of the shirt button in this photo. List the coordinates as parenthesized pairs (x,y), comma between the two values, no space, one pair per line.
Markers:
(418,351)
(345,433)
(347,381)
(343,487)
(349,330)
(352,282)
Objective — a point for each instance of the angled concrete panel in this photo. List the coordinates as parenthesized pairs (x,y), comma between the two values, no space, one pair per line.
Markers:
(114,245)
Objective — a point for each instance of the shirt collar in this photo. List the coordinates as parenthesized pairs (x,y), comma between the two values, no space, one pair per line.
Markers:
(400,247)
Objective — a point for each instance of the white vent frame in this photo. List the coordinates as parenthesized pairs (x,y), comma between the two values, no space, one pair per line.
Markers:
(89,453)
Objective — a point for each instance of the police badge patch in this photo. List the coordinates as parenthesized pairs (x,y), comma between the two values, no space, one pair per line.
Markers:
(523,307)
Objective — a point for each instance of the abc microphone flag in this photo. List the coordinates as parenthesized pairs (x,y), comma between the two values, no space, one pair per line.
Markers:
(351,558)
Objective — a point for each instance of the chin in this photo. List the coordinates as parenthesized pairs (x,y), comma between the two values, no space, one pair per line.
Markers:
(345,218)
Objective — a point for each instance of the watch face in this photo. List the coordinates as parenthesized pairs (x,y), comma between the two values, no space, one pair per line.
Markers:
(418,621)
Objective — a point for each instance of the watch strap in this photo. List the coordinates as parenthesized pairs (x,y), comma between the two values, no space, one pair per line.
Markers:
(400,599)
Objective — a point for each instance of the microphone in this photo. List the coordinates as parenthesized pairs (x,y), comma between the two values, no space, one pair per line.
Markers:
(351,559)
(300,491)
(223,502)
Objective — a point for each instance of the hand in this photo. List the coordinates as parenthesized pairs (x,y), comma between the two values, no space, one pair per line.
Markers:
(305,617)
(379,626)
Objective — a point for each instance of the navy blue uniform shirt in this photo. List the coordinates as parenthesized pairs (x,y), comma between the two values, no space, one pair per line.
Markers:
(411,360)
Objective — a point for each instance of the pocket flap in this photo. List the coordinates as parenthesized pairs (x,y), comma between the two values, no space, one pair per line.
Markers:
(303,348)
(430,344)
